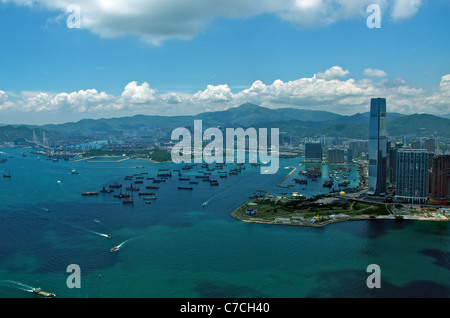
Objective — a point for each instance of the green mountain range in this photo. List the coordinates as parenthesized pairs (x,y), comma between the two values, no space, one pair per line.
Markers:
(292,122)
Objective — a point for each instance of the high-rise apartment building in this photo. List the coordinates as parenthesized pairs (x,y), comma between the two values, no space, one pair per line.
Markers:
(412,175)
(377,147)
(440,177)
(336,155)
(313,152)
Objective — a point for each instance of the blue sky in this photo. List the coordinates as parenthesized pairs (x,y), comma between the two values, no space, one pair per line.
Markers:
(184,57)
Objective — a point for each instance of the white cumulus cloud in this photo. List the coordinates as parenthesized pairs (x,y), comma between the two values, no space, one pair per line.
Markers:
(374,72)
(158,20)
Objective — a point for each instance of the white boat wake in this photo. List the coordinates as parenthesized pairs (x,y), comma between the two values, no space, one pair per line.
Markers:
(17,285)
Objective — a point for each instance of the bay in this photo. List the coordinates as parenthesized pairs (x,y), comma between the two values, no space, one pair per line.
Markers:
(176,247)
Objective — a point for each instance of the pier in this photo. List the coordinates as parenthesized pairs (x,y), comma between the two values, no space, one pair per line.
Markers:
(287,176)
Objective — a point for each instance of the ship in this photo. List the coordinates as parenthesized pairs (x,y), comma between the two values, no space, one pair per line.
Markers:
(344,183)
(104,190)
(128,201)
(152,187)
(185,188)
(115,185)
(122,195)
(301,181)
(131,188)
(89,193)
(146,193)
(40,292)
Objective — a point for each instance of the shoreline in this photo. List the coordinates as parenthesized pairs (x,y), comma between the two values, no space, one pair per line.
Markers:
(285,221)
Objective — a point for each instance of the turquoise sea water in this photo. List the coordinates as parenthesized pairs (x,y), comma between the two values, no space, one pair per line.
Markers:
(174,247)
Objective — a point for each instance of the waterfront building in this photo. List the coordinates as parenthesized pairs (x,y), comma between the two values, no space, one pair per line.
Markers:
(412,175)
(336,155)
(313,152)
(440,177)
(377,147)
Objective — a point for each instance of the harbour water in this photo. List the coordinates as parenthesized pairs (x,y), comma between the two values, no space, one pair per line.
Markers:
(176,247)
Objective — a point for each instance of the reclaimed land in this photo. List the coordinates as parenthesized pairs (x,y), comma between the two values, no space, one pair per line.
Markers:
(322,210)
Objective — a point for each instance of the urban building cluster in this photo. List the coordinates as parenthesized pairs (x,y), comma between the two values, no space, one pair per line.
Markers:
(411,171)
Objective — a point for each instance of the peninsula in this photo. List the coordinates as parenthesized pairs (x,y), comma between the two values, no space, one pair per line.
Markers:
(321,210)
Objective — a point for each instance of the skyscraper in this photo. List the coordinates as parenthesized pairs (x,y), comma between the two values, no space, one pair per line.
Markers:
(440,177)
(412,175)
(377,147)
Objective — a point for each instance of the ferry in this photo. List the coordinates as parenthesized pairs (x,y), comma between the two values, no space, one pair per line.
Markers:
(89,193)
(42,293)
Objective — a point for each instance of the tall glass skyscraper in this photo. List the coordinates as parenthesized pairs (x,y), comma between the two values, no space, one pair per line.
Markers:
(377,147)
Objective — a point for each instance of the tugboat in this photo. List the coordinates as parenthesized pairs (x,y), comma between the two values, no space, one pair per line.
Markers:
(40,292)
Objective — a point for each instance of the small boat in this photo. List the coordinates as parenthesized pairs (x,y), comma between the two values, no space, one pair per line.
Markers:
(114,249)
(42,293)
(74,172)
(146,193)
(128,201)
(185,188)
(148,202)
(115,185)
(89,193)
(7,175)
(104,190)
(152,187)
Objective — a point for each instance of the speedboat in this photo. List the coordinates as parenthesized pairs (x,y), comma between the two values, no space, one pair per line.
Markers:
(114,249)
